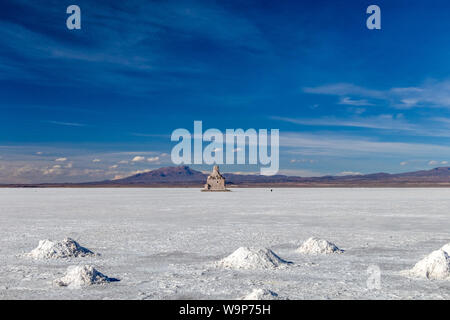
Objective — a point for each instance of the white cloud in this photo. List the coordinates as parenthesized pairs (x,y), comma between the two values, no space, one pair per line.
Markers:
(153,159)
(121,176)
(403,163)
(435,163)
(349,173)
(96,160)
(352,102)
(138,159)
(24,170)
(55,170)
(409,102)
(61,159)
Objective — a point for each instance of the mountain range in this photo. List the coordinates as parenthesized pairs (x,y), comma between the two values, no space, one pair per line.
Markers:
(184,176)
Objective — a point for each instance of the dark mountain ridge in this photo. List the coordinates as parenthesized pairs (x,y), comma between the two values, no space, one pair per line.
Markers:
(183,175)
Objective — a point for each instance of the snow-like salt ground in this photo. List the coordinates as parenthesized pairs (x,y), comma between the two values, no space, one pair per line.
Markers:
(164,243)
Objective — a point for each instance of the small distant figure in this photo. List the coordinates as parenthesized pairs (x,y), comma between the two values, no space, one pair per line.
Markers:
(215,181)
(271,190)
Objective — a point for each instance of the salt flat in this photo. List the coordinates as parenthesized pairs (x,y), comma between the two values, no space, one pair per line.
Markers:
(163,243)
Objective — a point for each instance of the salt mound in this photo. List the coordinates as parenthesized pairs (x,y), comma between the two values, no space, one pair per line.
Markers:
(261,294)
(435,266)
(81,276)
(318,246)
(59,249)
(446,248)
(252,258)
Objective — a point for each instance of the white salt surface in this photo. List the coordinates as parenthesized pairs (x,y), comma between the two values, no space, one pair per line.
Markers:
(318,246)
(161,242)
(261,294)
(252,258)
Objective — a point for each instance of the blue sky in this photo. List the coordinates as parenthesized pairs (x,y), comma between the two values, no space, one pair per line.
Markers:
(80,105)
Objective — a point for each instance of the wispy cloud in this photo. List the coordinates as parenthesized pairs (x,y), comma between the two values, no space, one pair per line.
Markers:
(385,122)
(131,173)
(311,161)
(153,159)
(428,94)
(353,102)
(345,89)
(69,124)
(435,163)
(430,127)
(351,146)
(349,173)
(145,55)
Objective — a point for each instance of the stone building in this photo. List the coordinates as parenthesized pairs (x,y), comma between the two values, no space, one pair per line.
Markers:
(215,181)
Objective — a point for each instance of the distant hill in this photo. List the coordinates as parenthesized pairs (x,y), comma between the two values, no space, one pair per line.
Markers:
(183,176)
